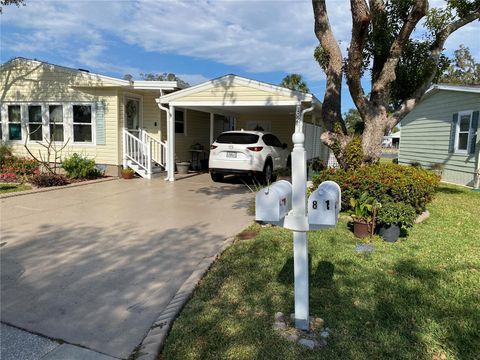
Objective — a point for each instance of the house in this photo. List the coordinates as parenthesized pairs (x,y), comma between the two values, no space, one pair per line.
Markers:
(442,131)
(146,125)
(391,140)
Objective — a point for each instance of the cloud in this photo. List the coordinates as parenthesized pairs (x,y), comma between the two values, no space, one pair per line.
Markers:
(257,36)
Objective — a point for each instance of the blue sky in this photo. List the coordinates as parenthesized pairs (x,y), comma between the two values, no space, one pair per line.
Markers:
(197,40)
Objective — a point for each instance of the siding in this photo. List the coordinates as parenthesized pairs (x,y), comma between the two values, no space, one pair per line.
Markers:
(426,134)
(198,131)
(29,81)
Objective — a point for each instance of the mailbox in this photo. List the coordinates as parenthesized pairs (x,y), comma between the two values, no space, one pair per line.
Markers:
(273,202)
(324,206)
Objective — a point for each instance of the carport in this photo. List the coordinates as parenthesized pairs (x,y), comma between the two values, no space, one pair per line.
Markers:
(244,104)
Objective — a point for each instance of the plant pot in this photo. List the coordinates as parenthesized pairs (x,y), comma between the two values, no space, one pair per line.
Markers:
(389,232)
(182,167)
(128,175)
(361,230)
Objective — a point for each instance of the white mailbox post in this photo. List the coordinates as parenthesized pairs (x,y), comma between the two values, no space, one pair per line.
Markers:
(285,204)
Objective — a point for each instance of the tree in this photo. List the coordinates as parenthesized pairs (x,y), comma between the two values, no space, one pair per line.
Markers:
(400,67)
(353,122)
(164,77)
(10,2)
(463,70)
(295,82)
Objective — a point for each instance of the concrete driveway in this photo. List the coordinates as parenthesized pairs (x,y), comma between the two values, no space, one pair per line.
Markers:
(95,265)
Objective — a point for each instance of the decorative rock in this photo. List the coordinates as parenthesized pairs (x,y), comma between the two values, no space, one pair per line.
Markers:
(279,317)
(364,248)
(325,334)
(317,323)
(322,343)
(279,325)
(311,344)
(422,217)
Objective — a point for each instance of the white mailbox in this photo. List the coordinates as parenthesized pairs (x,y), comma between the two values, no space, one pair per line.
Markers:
(273,202)
(324,206)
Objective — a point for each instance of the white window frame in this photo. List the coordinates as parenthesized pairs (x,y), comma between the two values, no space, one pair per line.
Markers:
(64,120)
(92,124)
(27,121)
(457,131)
(7,122)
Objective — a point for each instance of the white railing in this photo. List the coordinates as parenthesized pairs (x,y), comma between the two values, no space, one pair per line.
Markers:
(159,148)
(136,150)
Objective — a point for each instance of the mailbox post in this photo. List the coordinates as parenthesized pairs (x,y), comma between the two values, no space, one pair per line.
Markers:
(285,204)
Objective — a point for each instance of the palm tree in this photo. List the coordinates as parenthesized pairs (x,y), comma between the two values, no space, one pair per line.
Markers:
(295,82)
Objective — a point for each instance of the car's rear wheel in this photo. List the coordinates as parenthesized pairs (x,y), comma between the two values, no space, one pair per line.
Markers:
(216,177)
(268,176)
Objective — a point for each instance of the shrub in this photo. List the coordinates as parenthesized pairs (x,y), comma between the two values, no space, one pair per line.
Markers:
(397,213)
(5,152)
(20,166)
(353,154)
(79,167)
(385,182)
(48,180)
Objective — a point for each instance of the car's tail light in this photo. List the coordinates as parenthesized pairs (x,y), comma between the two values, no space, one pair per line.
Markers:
(255,148)
(213,147)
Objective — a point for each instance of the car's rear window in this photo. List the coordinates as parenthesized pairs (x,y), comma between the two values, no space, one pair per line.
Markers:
(237,138)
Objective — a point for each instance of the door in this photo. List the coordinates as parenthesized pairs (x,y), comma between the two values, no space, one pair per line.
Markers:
(276,150)
(133,120)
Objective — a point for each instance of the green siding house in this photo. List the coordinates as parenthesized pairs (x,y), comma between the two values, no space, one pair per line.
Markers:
(442,129)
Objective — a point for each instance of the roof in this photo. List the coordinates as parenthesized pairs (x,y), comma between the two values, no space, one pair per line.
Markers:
(135,84)
(435,88)
(226,81)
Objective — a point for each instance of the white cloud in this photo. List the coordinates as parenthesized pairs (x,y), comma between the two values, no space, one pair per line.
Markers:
(258,36)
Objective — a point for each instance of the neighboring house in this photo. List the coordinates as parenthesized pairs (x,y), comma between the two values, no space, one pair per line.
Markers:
(442,129)
(146,125)
(391,140)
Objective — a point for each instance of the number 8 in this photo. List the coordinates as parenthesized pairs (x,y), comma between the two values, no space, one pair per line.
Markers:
(314,205)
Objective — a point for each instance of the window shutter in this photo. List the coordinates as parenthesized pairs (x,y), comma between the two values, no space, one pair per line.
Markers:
(453,132)
(473,132)
(100,122)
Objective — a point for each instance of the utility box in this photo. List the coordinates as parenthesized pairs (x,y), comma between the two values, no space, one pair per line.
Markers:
(324,206)
(273,202)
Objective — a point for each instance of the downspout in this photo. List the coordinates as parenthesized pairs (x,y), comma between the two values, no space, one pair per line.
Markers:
(167,111)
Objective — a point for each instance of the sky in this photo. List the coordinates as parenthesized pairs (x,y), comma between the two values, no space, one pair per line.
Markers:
(197,40)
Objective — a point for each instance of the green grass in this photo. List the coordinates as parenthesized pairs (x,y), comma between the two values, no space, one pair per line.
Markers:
(416,299)
(8,188)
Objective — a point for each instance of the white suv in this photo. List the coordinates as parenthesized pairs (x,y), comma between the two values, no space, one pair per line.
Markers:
(252,153)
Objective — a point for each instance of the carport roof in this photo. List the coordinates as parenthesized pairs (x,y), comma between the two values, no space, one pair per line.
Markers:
(233,91)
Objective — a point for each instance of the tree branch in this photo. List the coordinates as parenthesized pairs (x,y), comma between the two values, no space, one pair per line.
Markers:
(360,22)
(381,86)
(435,51)
(331,107)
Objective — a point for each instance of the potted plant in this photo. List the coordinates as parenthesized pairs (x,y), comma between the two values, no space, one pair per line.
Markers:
(392,216)
(183,167)
(127,173)
(363,212)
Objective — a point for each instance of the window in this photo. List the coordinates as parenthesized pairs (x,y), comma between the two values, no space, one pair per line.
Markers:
(82,123)
(179,122)
(272,140)
(237,138)
(463,131)
(55,115)
(35,122)
(14,122)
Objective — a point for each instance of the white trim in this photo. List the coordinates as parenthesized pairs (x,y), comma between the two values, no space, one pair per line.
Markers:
(222,103)
(155,85)
(27,122)
(7,122)
(457,131)
(241,81)
(92,124)
(470,89)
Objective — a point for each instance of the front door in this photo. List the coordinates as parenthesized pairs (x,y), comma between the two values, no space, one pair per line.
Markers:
(132,116)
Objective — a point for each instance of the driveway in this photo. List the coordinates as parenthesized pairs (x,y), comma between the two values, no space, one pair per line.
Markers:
(95,265)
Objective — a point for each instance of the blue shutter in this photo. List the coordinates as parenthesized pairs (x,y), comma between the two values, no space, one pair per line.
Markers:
(453,133)
(100,122)
(473,132)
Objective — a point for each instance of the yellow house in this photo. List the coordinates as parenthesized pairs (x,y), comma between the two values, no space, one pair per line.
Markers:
(145,125)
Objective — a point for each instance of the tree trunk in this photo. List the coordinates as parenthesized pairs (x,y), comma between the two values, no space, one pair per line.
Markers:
(372,138)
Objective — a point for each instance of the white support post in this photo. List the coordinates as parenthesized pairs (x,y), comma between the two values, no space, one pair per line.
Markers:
(299,203)
(171,144)
(124,151)
(212,124)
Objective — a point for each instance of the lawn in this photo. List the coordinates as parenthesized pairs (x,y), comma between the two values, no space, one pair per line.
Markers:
(8,188)
(416,299)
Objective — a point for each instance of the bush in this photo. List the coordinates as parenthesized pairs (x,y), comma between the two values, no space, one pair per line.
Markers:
(385,182)
(48,180)
(20,166)
(397,213)
(5,152)
(79,167)
(353,154)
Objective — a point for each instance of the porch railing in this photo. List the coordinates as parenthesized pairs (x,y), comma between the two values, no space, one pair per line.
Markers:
(137,151)
(158,147)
